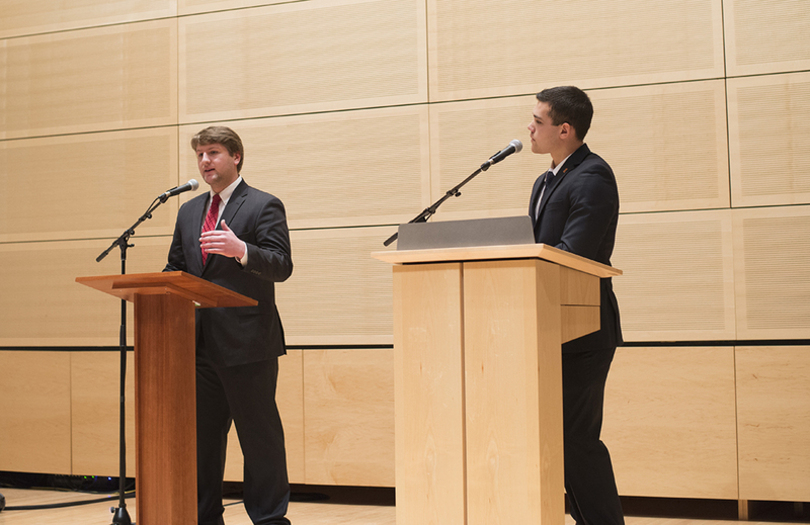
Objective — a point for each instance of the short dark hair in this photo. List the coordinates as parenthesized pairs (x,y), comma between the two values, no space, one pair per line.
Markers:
(568,104)
(221,135)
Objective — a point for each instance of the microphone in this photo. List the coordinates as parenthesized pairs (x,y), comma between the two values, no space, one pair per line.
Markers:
(190,185)
(514,147)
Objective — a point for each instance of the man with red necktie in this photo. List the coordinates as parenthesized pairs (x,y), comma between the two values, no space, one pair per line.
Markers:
(236,236)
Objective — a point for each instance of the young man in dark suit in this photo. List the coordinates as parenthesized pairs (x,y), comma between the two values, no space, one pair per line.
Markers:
(236,236)
(575,207)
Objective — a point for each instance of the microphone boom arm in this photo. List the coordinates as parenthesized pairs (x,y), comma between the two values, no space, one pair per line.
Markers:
(428,212)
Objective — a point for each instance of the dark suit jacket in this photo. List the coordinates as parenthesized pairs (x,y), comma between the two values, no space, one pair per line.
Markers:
(579,213)
(235,336)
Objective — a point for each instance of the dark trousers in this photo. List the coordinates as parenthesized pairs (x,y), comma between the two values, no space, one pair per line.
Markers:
(589,481)
(245,395)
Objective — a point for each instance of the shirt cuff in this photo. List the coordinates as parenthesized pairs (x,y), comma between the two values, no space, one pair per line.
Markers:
(244,259)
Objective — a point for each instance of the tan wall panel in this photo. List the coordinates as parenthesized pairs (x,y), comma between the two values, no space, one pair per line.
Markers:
(766,37)
(773,425)
(89,80)
(772,275)
(463,135)
(35,434)
(188,7)
(94,397)
(371,168)
(43,305)
(39,16)
(769,126)
(85,186)
(349,410)
(337,293)
(660,163)
(483,48)
(302,56)
(678,282)
(290,401)
(670,422)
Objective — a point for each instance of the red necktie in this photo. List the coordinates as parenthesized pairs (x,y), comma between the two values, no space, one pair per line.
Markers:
(211,219)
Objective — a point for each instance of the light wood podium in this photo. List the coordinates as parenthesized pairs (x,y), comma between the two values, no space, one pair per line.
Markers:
(478,379)
(165,402)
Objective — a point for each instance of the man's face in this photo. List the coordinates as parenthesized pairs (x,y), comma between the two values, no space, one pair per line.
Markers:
(544,134)
(217,166)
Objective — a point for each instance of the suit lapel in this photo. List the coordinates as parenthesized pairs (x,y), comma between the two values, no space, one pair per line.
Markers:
(234,203)
(570,165)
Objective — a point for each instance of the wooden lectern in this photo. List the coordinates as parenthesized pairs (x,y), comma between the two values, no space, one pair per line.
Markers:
(165,399)
(478,379)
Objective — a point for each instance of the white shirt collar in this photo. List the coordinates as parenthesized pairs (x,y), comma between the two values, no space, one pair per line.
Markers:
(225,194)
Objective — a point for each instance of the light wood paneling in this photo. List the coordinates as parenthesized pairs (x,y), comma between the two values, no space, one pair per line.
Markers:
(337,293)
(371,169)
(771,274)
(773,424)
(670,422)
(90,80)
(769,123)
(87,186)
(188,7)
(483,48)
(662,163)
(290,401)
(678,282)
(39,16)
(429,393)
(94,397)
(349,417)
(766,37)
(302,56)
(35,434)
(513,392)
(44,306)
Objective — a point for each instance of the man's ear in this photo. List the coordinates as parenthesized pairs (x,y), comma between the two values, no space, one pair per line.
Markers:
(567,131)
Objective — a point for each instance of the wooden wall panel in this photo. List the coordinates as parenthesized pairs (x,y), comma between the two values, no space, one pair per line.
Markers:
(39,16)
(337,293)
(35,434)
(349,417)
(290,401)
(670,422)
(773,424)
(678,282)
(659,163)
(94,399)
(188,7)
(772,277)
(44,306)
(87,186)
(371,168)
(463,135)
(302,56)
(482,48)
(766,37)
(769,126)
(89,80)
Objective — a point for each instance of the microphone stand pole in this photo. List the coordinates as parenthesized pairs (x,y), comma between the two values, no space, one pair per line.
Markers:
(121,516)
(428,212)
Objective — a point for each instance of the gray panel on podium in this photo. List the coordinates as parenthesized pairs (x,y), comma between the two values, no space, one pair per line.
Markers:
(498,231)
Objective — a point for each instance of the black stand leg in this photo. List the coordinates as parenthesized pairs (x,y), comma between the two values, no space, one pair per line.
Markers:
(121,516)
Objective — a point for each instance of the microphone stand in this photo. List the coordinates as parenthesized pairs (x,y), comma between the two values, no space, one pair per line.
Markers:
(428,212)
(121,516)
